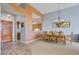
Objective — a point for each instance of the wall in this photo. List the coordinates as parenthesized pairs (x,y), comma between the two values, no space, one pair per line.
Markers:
(0,30)
(21,19)
(14,19)
(29,35)
(0,25)
(69,14)
(4,16)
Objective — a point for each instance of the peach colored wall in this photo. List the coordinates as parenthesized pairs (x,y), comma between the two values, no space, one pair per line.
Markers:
(28,22)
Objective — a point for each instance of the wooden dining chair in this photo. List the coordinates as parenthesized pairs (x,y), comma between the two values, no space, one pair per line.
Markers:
(61,38)
(52,36)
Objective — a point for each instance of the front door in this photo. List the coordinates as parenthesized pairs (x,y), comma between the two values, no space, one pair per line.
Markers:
(6,31)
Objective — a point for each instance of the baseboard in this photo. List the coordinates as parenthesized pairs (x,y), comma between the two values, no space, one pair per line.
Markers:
(30,41)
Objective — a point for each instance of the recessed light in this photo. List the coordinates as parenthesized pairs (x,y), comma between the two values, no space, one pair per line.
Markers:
(8,15)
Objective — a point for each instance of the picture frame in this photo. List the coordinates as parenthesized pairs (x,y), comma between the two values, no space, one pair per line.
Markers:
(63,24)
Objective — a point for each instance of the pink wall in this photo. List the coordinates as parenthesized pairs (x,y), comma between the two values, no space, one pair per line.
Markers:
(29,35)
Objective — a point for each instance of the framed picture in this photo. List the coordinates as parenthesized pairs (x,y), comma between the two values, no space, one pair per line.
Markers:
(61,24)
(37,26)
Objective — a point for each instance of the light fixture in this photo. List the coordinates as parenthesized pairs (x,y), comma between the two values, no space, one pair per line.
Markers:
(37,30)
(8,15)
(58,22)
(58,18)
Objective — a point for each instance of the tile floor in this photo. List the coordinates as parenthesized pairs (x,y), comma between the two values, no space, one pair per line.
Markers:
(38,48)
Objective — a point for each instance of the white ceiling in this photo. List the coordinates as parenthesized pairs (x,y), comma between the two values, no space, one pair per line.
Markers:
(5,7)
(51,7)
(43,7)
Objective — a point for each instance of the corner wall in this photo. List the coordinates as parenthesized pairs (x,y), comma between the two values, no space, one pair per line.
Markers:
(70,14)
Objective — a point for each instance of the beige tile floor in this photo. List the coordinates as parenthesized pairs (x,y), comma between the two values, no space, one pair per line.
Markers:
(15,48)
(49,48)
(38,48)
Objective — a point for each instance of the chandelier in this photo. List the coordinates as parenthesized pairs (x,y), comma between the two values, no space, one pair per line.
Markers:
(58,22)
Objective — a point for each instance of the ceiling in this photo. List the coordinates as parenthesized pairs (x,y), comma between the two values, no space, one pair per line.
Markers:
(43,7)
(51,7)
(6,8)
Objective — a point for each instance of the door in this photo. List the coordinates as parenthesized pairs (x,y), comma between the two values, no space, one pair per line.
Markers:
(6,31)
(18,36)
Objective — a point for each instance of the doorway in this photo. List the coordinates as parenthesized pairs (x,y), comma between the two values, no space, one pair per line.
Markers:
(18,31)
(18,36)
(6,33)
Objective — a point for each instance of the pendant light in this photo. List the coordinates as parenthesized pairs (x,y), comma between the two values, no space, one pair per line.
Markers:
(58,21)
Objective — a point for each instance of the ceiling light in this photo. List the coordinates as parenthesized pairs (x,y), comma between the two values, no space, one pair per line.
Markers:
(8,15)
(37,30)
(59,19)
